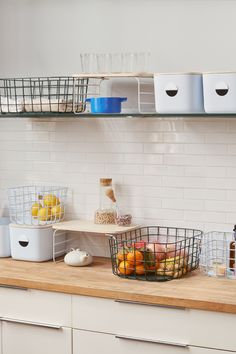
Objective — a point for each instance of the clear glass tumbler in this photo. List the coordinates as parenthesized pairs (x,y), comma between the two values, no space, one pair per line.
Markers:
(88,62)
(104,62)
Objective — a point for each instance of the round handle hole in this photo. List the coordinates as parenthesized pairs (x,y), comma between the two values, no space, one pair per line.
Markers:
(222,92)
(171,93)
(23,243)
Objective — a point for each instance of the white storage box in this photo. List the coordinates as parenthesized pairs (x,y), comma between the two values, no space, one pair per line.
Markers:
(178,93)
(219,92)
(31,243)
(5,250)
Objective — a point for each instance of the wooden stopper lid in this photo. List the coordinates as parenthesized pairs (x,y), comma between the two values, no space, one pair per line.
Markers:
(105,181)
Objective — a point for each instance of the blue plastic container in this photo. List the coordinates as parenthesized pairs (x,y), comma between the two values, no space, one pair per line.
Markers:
(106,104)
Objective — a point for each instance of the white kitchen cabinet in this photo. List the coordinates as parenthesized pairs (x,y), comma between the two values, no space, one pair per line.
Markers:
(193,327)
(35,305)
(85,342)
(35,322)
(19,338)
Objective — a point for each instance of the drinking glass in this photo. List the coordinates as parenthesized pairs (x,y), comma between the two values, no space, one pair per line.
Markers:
(88,62)
(104,62)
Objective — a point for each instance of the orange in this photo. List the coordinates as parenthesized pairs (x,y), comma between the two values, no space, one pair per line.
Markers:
(126,268)
(122,255)
(140,269)
(135,257)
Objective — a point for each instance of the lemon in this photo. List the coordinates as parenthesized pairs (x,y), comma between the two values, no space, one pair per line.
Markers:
(58,211)
(44,214)
(50,200)
(35,209)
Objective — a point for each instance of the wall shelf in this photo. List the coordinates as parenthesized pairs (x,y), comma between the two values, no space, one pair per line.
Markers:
(117,115)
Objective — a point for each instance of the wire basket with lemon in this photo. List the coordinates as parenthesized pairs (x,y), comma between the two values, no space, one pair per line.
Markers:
(37,205)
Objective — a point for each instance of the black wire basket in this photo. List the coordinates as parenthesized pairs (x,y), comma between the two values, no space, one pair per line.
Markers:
(43,95)
(155,253)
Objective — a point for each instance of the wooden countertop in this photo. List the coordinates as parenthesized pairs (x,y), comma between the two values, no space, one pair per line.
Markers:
(193,291)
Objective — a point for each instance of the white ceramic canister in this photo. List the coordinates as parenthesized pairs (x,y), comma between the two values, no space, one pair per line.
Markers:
(178,93)
(219,91)
(5,249)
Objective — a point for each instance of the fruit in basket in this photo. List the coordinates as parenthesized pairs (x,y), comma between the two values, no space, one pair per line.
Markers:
(58,211)
(44,214)
(140,269)
(50,200)
(135,257)
(122,254)
(158,249)
(126,268)
(35,209)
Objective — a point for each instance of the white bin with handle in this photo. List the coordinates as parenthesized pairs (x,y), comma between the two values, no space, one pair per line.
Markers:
(31,243)
(178,93)
(219,92)
(5,249)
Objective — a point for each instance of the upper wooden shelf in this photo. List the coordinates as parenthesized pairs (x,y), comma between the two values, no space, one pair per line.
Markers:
(89,226)
(142,75)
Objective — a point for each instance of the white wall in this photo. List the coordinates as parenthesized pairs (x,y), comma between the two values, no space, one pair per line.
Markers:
(47,36)
(167,171)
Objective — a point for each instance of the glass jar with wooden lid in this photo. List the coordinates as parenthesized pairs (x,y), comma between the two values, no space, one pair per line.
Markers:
(106,214)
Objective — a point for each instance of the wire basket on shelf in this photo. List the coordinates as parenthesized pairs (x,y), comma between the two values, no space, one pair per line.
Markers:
(37,205)
(155,253)
(43,95)
(218,254)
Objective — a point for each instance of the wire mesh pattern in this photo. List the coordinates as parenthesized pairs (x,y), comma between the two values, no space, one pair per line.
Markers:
(145,88)
(218,254)
(155,253)
(37,205)
(43,95)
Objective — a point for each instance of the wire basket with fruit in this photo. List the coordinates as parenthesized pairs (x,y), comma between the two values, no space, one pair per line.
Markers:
(37,205)
(155,253)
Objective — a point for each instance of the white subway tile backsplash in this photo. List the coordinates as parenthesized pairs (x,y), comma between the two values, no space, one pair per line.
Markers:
(151,159)
(206,149)
(185,160)
(172,125)
(183,138)
(146,137)
(206,171)
(124,169)
(184,182)
(221,138)
(183,204)
(163,170)
(172,171)
(205,194)
(163,148)
(203,126)
(143,180)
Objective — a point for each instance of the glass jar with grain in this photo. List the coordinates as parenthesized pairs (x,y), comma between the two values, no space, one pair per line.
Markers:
(106,214)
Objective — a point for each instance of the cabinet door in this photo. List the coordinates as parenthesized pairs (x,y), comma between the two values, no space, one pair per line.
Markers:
(85,342)
(35,305)
(34,338)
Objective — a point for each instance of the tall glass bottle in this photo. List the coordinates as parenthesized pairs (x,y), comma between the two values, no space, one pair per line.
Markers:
(232,249)
(106,213)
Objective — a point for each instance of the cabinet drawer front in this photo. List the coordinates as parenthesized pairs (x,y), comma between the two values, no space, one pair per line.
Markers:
(90,342)
(213,329)
(183,326)
(28,339)
(35,306)
(136,320)
(86,342)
